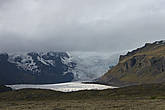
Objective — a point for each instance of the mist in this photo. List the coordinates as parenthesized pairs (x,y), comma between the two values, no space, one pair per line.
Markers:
(80,25)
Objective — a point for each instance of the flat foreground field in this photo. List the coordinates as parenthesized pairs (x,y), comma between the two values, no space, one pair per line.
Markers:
(152,104)
(140,97)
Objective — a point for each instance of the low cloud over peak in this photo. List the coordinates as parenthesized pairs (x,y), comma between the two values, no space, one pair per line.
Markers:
(80,25)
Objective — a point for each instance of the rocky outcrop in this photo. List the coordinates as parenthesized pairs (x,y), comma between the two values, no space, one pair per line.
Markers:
(142,66)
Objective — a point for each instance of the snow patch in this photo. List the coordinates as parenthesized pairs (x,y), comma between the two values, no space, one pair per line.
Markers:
(25,62)
(42,60)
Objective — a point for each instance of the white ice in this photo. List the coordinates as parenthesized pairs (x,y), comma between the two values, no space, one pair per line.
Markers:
(63,87)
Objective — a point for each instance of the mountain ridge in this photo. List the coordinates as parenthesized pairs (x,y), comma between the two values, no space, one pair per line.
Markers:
(36,68)
(80,66)
(144,65)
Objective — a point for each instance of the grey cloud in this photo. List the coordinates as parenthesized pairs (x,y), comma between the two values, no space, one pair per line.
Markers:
(80,25)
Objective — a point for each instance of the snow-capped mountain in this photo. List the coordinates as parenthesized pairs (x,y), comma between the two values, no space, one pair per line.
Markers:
(53,67)
(35,67)
(34,61)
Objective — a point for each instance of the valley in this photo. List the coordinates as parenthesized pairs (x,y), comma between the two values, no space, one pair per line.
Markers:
(137,82)
(82,54)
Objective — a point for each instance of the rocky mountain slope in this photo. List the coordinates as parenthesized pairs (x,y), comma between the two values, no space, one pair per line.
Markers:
(36,68)
(53,67)
(142,66)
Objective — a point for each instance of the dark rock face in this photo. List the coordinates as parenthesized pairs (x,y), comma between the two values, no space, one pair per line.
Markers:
(36,68)
(142,66)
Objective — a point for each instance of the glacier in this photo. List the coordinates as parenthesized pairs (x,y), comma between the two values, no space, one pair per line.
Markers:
(91,65)
(63,87)
(88,65)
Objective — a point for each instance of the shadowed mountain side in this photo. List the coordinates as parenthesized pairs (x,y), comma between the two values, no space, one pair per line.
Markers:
(36,68)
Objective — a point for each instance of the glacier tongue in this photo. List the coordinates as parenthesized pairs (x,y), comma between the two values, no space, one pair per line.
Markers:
(91,65)
(64,87)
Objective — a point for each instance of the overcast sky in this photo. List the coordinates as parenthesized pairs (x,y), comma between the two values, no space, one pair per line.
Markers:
(80,25)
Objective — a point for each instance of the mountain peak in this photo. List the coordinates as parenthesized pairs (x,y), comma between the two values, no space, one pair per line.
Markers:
(36,67)
(147,49)
(159,42)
